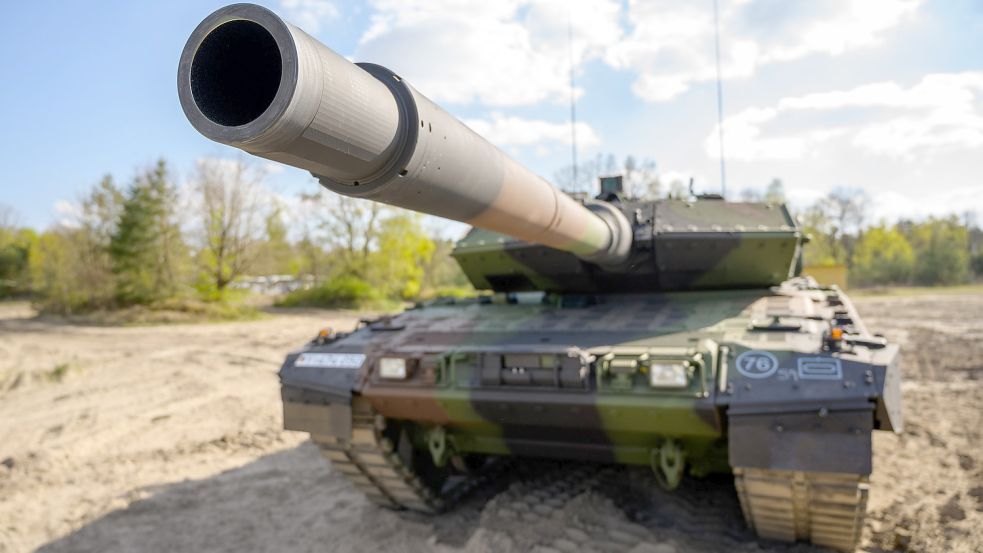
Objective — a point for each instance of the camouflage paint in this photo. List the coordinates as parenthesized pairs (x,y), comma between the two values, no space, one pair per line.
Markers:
(702,244)
(604,422)
(621,426)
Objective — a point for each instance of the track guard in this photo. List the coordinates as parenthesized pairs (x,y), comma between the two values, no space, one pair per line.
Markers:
(317,392)
(816,441)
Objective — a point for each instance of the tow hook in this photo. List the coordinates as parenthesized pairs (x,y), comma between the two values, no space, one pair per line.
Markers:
(441,448)
(668,461)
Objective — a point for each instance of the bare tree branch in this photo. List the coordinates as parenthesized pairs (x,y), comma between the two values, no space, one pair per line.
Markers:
(230,213)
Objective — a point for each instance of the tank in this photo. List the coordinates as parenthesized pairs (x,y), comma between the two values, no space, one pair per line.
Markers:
(673,334)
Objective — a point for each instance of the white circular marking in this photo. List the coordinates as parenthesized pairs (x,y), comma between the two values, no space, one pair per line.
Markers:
(756,364)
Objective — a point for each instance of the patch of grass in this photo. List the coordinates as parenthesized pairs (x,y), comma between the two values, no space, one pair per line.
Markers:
(58,373)
(233,309)
(175,310)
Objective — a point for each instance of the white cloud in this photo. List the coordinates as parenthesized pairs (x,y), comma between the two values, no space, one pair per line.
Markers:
(671,44)
(890,205)
(517,52)
(848,25)
(507,131)
(309,14)
(939,114)
(670,177)
(502,53)
(271,168)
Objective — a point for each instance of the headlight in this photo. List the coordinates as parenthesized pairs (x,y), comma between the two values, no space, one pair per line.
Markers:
(668,376)
(393,368)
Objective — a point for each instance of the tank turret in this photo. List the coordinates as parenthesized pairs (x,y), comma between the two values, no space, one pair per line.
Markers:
(678,245)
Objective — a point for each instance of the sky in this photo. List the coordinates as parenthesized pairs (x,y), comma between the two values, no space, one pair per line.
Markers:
(880,95)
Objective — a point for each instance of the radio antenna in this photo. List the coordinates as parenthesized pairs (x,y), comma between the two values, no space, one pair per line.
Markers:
(573,104)
(720,99)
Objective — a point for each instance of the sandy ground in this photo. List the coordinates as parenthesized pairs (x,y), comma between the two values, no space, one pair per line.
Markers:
(168,439)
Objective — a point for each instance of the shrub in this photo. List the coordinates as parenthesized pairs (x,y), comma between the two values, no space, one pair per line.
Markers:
(941,252)
(345,291)
(882,256)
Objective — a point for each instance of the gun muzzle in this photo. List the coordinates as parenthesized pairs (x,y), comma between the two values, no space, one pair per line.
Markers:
(250,80)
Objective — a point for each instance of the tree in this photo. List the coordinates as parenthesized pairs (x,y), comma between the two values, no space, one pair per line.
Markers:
(941,251)
(146,248)
(53,266)
(641,179)
(13,262)
(347,225)
(70,265)
(276,255)
(98,216)
(749,194)
(100,211)
(819,250)
(15,247)
(775,193)
(583,177)
(311,256)
(639,176)
(970,221)
(228,205)
(442,275)
(833,224)
(404,250)
(9,219)
(882,256)
(976,265)
(846,210)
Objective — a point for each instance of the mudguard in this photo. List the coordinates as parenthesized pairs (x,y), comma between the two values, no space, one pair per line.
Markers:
(317,388)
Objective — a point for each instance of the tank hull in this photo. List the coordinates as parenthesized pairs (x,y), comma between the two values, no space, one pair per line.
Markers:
(765,394)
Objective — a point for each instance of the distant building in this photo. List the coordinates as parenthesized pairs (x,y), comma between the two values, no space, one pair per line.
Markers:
(273,285)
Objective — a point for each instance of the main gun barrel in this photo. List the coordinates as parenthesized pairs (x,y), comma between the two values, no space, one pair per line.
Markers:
(250,80)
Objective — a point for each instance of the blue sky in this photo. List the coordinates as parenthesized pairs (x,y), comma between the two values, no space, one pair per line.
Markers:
(885,95)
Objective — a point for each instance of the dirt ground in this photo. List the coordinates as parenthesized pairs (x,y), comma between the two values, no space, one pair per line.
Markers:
(168,438)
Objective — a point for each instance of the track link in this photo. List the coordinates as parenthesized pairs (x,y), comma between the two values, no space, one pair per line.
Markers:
(825,508)
(381,462)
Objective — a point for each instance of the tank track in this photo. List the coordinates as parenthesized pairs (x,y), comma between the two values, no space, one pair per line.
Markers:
(378,459)
(825,508)
(381,462)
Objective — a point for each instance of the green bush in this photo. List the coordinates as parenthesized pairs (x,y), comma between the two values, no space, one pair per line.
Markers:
(976,264)
(882,256)
(941,252)
(345,291)
(206,291)
(15,249)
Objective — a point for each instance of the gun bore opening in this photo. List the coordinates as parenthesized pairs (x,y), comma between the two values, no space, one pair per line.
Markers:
(235,74)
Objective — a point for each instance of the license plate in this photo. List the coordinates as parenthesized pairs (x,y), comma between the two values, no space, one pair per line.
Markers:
(330,360)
